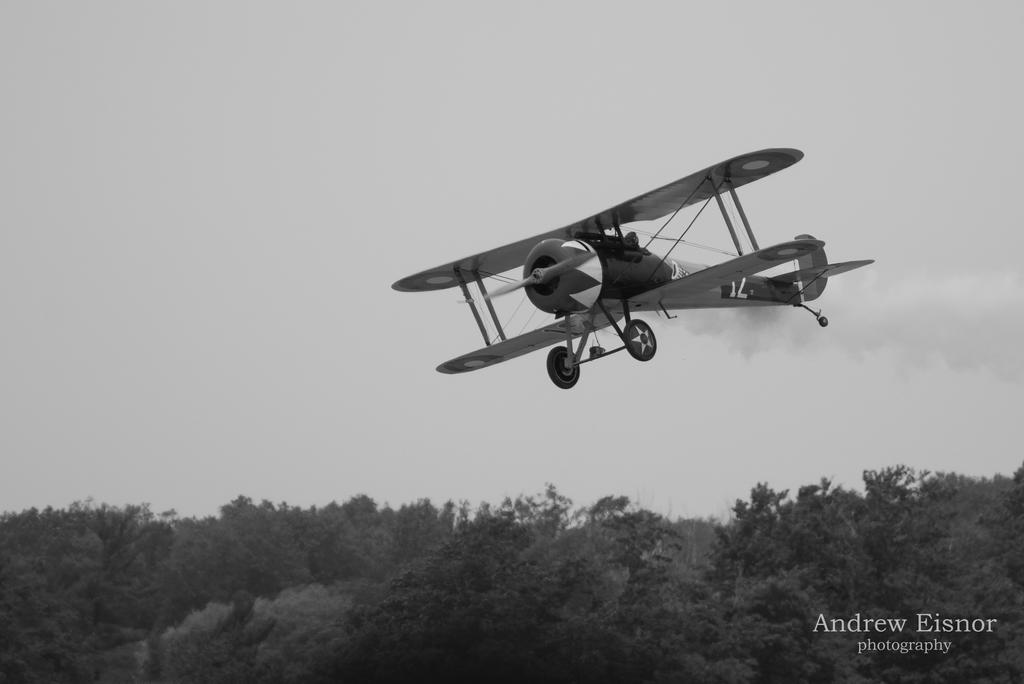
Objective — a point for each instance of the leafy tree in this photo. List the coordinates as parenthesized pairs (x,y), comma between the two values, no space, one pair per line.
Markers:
(75,584)
(528,590)
(467,613)
(250,548)
(418,529)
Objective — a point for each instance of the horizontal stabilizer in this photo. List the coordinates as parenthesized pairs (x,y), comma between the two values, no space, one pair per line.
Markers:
(806,275)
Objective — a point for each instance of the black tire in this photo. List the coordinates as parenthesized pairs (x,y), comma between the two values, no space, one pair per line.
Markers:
(640,341)
(562,378)
(823,321)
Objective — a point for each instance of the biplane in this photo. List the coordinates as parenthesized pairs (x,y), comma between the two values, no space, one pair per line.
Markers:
(592,275)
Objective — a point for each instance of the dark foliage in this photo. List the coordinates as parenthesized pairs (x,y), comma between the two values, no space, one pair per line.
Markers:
(530,590)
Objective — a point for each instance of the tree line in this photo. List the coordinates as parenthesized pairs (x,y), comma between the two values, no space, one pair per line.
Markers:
(533,589)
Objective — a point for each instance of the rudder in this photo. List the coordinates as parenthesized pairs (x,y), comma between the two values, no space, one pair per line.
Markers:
(816,259)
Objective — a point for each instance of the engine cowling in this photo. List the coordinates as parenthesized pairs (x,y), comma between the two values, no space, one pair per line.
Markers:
(572,291)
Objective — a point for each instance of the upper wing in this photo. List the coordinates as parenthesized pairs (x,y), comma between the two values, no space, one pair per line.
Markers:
(722,274)
(655,204)
(486,263)
(652,205)
(525,343)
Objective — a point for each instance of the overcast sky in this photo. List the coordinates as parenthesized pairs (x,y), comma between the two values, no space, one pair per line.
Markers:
(203,206)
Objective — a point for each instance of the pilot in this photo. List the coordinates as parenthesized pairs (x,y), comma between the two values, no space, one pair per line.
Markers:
(631,240)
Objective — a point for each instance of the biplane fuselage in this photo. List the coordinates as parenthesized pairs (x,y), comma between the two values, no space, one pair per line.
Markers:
(591,275)
(629,271)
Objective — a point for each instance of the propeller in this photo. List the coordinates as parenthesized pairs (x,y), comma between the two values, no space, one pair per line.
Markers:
(539,276)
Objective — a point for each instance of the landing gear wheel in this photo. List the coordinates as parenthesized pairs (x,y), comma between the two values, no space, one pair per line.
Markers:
(822,321)
(640,342)
(562,377)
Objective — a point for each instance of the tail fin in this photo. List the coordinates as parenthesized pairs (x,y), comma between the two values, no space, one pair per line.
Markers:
(812,262)
(814,271)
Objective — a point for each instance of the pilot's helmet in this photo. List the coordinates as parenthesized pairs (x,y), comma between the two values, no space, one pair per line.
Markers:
(631,239)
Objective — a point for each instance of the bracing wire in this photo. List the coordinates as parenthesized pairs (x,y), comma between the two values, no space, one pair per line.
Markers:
(694,244)
(678,209)
(680,238)
(497,276)
(518,306)
(506,279)
(532,314)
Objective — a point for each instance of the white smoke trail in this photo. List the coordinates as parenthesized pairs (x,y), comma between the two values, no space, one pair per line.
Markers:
(968,322)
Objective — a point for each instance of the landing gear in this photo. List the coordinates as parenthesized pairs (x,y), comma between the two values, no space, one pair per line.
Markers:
(822,321)
(564,363)
(563,376)
(639,340)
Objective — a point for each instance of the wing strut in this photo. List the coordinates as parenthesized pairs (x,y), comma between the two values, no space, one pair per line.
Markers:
(743,215)
(475,310)
(472,305)
(490,307)
(728,222)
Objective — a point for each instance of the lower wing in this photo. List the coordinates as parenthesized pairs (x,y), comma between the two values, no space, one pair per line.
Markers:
(540,338)
(724,274)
